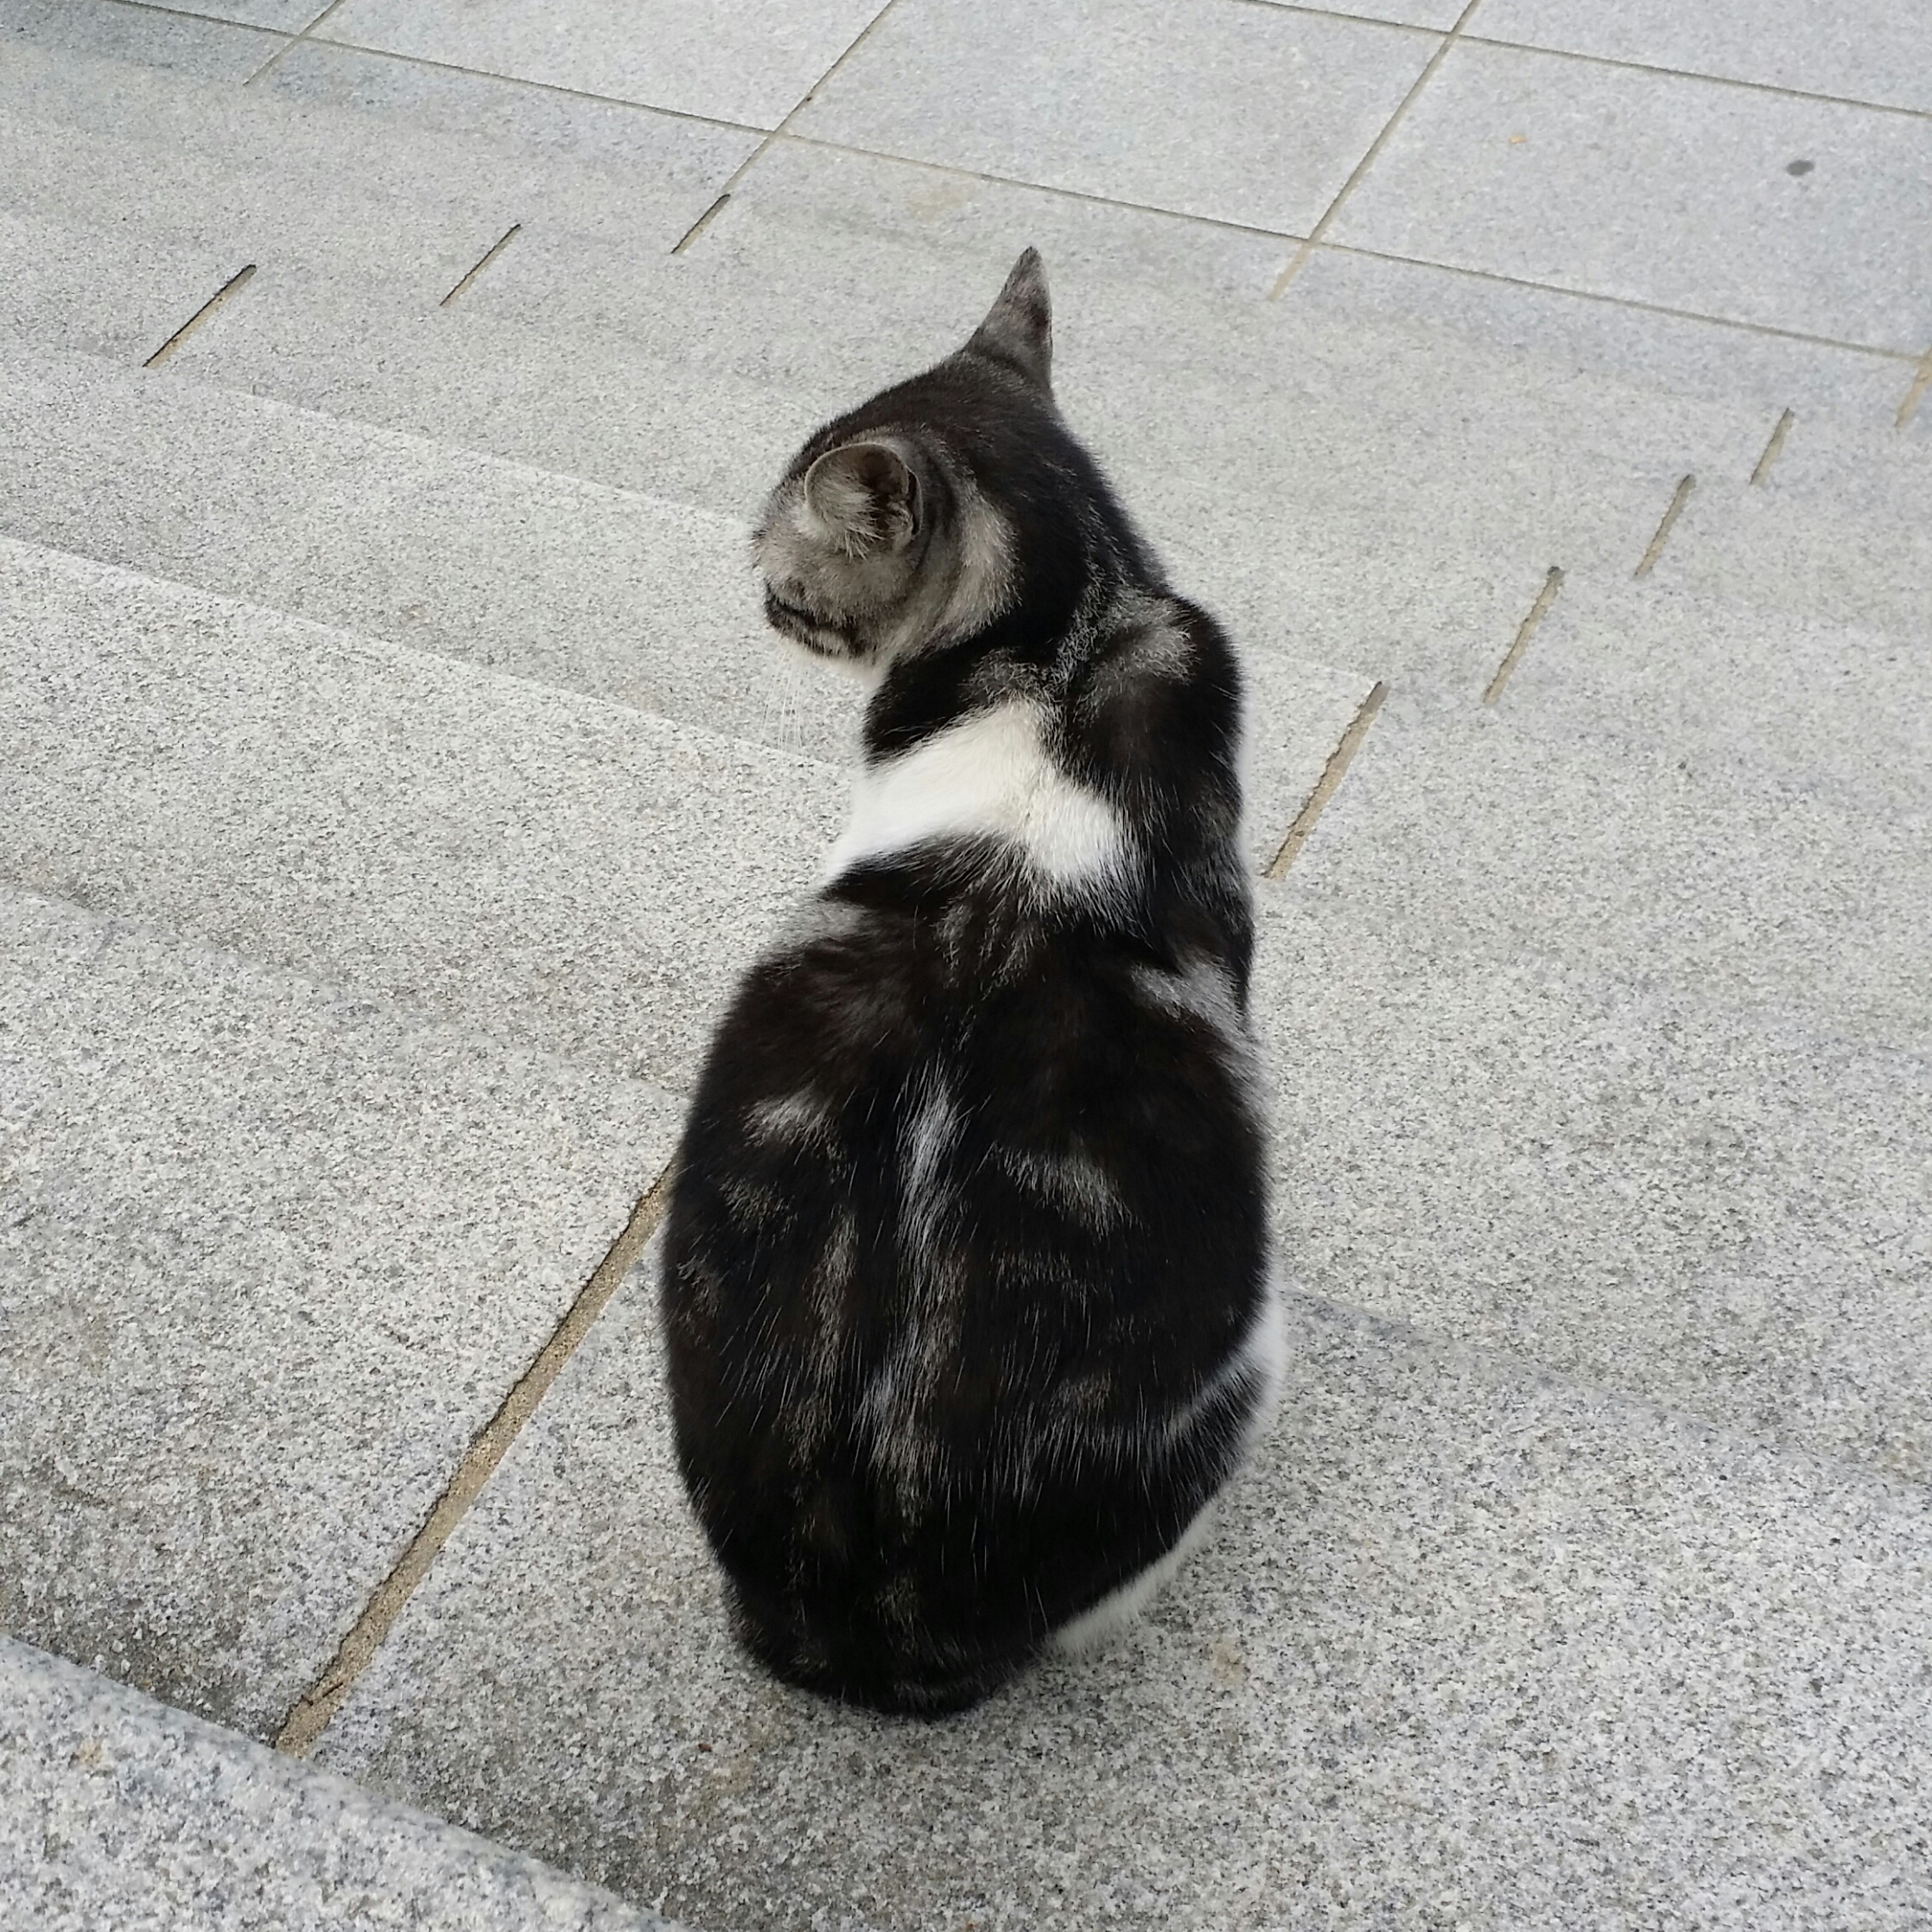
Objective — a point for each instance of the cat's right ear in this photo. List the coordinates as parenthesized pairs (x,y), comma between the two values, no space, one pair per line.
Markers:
(1018,328)
(865,499)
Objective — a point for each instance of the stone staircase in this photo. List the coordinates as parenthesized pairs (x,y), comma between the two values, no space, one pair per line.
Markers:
(393,775)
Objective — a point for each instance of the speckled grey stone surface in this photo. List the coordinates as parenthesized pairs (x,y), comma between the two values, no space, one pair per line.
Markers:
(1255,114)
(1467,1648)
(632,599)
(1574,203)
(1862,50)
(577,878)
(186,42)
(116,1811)
(750,63)
(271,1254)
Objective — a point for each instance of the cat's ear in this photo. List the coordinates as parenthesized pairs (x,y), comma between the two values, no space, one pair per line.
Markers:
(1018,328)
(865,496)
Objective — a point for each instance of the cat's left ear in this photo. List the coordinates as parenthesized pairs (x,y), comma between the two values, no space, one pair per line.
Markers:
(865,496)
(1018,328)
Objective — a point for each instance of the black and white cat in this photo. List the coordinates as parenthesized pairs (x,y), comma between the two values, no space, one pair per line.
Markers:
(966,1287)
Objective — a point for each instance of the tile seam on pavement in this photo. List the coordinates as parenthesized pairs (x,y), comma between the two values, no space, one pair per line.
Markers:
(1691,74)
(1368,160)
(293,40)
(1679,498)
(1774,448)
(189,13)
(791,114)
(1625,301)
(1328,784)
(483,261)
(233,286)
(1916,394)
(313,1709)
(1552,584)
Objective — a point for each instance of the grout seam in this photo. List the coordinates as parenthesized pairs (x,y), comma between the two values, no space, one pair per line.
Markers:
(292,43)
(791,114)
(1679,498)
(703,222)
(1706,80)
(1368,160)
(489,255)
(1525,630)
(313,1711)
(1916,394)
(232,286)
(1326,785)
(1773,450)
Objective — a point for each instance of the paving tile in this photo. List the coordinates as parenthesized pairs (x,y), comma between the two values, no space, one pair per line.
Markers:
(1468,1647)
(64,289)
(1866,563)
(271,1254)
(634,600)
(1865,51)
(1663,190)
(751,64)
(578,879)
(1253,114)
(114,1810)
(107,29)
(1605,1166)
(1712,362)
(552,126)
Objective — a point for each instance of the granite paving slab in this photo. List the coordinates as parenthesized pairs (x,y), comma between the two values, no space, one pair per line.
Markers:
(1756,208)
(1771,548)
(1863,51)
(1253,114)
(749,63)
(640,144)
(579,879)
(1470,1646)
(1666,354)
(271,1252)
(118,1811)
(186,43)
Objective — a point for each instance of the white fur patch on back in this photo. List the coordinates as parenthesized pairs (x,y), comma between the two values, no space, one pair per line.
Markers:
(987,777)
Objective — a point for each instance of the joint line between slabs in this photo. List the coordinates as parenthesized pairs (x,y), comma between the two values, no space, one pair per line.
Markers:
(1773,450)
(316,1707)
(797,107)
(489,255)
(1368,160)
(1679,498)
(1330,781)
(293,42)
(1525,630)
(1916,394)
(233,285)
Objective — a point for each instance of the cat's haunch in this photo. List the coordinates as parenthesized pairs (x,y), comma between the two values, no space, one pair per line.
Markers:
(966,1288)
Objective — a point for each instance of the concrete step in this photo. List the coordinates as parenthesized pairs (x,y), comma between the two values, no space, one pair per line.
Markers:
(621,597)
(1603,1020)
(1459,1623)
(318,197)
(580,878)
(116,1811)
(272,1252)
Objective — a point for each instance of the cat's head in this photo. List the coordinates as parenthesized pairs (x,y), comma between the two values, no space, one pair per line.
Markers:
(895,525)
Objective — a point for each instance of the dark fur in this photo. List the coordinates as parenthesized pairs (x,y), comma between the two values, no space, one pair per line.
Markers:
(930,1406)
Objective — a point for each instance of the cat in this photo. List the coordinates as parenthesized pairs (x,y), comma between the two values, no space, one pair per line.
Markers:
(966,1291)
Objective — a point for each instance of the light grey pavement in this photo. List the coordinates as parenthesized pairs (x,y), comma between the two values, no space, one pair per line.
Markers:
(394,774)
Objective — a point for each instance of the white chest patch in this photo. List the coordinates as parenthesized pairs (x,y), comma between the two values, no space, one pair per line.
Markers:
(987,776)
